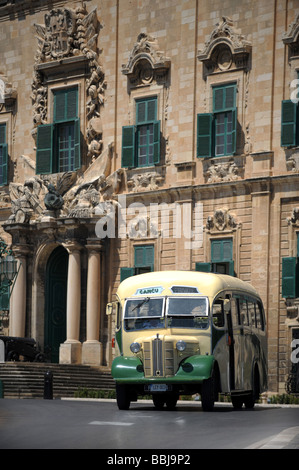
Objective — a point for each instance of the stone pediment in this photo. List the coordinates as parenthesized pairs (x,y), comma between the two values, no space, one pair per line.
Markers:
(146,62)
(291,38)
(225,48)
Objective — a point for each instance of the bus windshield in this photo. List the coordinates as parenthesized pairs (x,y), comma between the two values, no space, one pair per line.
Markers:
(181,312)
(187,312)
(144,313)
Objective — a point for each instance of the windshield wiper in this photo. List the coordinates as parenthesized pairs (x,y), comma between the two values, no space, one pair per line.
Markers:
(141,303)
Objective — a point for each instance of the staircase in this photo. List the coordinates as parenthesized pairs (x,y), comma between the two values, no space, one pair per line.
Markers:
(26,379)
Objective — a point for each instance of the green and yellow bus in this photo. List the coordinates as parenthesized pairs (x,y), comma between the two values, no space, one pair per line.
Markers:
(188,333)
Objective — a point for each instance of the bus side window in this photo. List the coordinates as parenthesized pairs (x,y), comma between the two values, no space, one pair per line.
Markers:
(259,316)
(118,315)
(218,313)
(243,312)
(234,310)
(251,313)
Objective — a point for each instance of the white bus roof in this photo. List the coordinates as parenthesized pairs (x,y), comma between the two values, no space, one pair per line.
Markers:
(208,284)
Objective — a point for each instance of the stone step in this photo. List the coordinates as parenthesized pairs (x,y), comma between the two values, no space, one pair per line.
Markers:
(26,380)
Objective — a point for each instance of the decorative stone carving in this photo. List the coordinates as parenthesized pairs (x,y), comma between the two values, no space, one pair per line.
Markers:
(148,181)
(54,198)
(294,219)
(69,39)
(221,220)
(226,48)
(143,227)
(26,199)
(291,38)
(222,170)
(146,62)
(8,94)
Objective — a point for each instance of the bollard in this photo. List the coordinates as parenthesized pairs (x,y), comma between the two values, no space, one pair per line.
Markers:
(48,385)
(1,389)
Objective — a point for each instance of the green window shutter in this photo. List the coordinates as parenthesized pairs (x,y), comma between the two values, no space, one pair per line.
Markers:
(126,272)
(221,251)
(156,142)
(144,256)
(203,267)
(44,153)
(146,110)
(204,135)
(288,123)
(66,105)
(4,163)
(289,277)
(128,146)
(2,134)
(224,98)
(231,268)
(234,131)
(72,104)
(77,163)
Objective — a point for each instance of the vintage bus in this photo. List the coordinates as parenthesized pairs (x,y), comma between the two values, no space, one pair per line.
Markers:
(186,333)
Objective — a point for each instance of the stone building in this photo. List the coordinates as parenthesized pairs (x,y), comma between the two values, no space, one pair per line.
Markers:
(142,135)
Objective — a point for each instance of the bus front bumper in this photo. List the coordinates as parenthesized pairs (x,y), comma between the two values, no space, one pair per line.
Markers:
(192,370)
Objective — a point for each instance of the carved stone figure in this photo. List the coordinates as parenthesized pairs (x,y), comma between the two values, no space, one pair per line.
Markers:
(221,220)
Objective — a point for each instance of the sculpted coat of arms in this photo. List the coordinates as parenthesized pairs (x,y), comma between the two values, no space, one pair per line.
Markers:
(60,26)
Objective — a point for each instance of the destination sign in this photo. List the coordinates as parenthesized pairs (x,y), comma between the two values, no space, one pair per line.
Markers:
(149,290)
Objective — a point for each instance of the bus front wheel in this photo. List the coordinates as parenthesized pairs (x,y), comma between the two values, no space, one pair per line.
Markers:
(123,397)
(208,394)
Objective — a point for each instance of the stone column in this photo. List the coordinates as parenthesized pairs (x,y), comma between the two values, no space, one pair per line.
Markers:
(18,297)
(92,348)
(70,351)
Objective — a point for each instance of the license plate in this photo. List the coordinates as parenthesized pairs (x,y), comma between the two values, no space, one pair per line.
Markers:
(158,388)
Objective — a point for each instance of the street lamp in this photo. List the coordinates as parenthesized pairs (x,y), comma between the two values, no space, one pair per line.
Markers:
(8,274)
(8,269)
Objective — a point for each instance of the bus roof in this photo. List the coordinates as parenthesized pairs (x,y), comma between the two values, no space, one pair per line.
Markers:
(208,284)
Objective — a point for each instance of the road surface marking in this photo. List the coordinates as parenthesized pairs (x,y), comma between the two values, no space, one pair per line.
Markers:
(110,423)
(279,441)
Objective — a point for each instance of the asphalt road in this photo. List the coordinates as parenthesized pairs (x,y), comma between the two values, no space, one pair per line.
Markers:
(76,424)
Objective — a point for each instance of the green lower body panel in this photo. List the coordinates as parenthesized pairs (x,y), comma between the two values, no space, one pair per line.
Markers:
(194,369)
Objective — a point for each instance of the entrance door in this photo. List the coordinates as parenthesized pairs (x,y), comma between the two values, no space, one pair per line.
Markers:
(55,302)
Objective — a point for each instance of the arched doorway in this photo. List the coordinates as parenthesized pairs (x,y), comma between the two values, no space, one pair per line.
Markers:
(55,302)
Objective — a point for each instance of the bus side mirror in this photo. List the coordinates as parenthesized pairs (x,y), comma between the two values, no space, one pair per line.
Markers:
(109,309)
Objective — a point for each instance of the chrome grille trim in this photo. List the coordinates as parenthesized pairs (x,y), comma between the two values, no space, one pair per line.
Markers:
(157,357)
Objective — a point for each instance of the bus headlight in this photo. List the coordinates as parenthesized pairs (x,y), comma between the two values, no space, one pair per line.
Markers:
(135,347)
(181,345)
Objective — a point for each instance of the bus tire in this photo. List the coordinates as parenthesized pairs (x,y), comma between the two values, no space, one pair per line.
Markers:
(172,401)
(208,394)
(253,396)
(123,397)
(158,401)
(237,402)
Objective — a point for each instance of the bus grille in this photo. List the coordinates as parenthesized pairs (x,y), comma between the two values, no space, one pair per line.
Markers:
(158,358)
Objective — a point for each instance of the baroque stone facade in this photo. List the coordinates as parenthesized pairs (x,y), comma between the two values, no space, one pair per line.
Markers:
(82,86)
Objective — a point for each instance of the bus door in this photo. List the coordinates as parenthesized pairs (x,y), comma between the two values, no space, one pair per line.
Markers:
(238,344)
(230,343)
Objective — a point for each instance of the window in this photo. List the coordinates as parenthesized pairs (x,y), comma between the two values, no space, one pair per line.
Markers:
(290,275)
(58,144)
(3,155)
(143,262)
(216,132)
(221,258)
(141,143)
